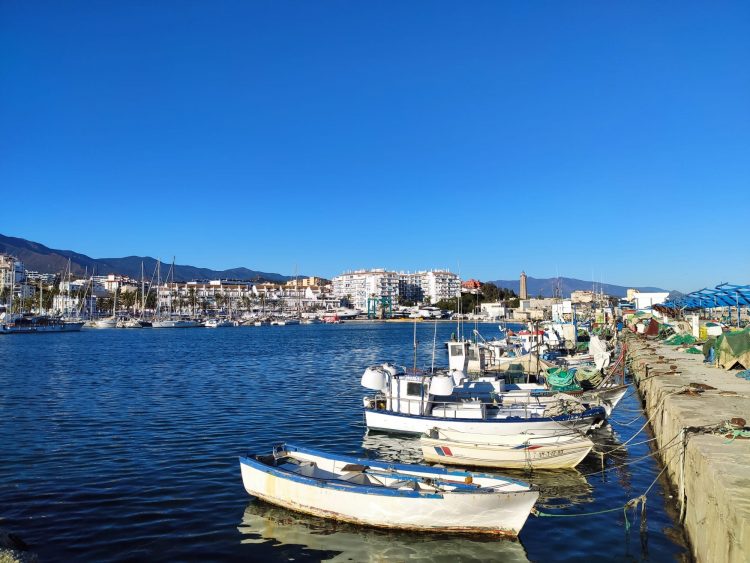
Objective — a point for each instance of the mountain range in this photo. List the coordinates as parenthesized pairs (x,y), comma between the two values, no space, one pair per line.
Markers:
(546,286)
(40,258)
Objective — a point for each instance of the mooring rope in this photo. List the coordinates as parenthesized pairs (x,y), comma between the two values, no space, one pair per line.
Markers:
(632,503)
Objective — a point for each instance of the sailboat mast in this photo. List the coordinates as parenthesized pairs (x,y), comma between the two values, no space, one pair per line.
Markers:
(12,281)
(169,286)
(143,289)
(158,288)
(91,297)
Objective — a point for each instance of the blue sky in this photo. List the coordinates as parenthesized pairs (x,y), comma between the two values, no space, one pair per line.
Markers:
(575,138)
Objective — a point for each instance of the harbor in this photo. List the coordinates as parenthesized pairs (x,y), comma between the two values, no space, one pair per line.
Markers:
(374,282)
(133,437)
(456,411)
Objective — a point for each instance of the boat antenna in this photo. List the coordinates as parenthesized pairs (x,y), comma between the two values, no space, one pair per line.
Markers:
(434,345)
(415,345)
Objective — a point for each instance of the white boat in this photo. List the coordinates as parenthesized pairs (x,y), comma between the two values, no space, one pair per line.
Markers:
(109,322)
(415,403)
(388,495)
(129,323)
(556,450)
(466,358)
(285,322)
(218,323)
(175,323)
(494,387)
(261,322)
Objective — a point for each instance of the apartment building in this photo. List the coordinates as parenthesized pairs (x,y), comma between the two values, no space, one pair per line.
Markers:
(11,275)
(360,285)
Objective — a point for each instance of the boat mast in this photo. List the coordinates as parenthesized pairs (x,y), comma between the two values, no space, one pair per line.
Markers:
(12,281)
(114,303)
(296,290)
(143,289)
(158,288)
(91,297)
(415,345)
(169,286)
(434,346)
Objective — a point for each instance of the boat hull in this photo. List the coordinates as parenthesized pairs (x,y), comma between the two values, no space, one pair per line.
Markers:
(500,513)
(609,397)
(529,452)
(103,323)
(386,421)
(36,329)
(174,324)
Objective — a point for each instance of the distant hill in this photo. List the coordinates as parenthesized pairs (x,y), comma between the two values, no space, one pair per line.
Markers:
(40,258)
(545,286)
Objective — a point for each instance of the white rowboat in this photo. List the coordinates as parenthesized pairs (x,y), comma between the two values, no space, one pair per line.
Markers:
(388,495)
(557,450)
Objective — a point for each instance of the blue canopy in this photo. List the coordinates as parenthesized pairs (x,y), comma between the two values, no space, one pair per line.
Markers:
(723,295)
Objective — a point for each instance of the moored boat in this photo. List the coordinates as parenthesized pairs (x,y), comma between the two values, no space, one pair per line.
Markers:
(174,323)
(110,322)
(29,324)
(388,495)
(544,450)
(415,403)
(218,323)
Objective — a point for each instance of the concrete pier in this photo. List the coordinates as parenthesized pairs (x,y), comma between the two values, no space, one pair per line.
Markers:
(686,401)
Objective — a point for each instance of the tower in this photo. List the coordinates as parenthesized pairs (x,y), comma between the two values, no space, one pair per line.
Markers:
(524,294)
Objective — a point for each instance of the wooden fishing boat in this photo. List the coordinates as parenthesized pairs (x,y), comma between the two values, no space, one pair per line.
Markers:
(387,495)
(550,450)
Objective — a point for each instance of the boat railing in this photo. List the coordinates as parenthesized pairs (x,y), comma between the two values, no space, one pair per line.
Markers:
(474,408)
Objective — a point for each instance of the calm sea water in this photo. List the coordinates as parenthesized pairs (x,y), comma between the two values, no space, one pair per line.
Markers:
(123,445)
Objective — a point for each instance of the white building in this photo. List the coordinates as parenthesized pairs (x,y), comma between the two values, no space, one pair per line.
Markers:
(494,310)
(434,285)
(647,300)
(65,304)
(360,285)
(11,277)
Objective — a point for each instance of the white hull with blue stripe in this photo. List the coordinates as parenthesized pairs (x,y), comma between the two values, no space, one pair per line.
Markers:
(388,495)
(557,450)
(402,423)
(411,403)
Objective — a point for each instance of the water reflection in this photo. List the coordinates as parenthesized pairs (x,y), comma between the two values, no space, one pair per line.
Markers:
(336,541)
(398,449)
(559,488)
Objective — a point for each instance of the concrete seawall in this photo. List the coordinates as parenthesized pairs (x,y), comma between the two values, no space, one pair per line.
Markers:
(687,401)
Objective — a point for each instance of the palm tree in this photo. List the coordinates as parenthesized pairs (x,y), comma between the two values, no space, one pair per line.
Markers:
(191,296)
